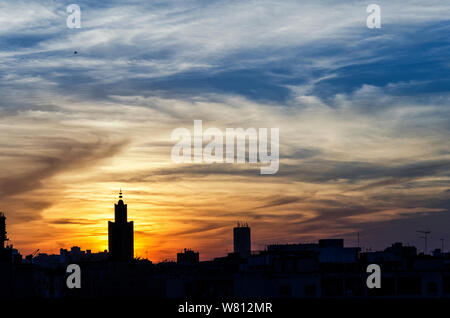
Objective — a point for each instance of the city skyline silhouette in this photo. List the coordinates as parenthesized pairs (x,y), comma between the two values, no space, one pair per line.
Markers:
(121,238)
(326,268)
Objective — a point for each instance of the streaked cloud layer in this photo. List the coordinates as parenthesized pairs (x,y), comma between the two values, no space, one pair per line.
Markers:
(363,117)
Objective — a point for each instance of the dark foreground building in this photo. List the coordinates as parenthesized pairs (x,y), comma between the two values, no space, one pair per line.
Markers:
(120,234)
(323,270)
(327,269)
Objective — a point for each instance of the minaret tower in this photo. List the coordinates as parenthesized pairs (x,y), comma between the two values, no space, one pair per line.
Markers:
(120,234)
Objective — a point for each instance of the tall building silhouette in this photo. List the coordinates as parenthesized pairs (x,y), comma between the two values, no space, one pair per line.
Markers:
(242,242)
(120,234)
(3,237)
(188,257)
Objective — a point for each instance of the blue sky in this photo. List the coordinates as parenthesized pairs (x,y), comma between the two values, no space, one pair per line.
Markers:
(363,113)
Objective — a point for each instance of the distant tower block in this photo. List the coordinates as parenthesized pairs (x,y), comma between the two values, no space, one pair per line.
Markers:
(120,234)
(3,237)
(242,242)
(188,257)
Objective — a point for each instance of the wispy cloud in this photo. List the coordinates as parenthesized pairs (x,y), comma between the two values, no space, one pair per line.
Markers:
(363,117)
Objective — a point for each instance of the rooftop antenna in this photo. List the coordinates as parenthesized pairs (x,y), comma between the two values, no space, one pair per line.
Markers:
(442,245)
(425,237)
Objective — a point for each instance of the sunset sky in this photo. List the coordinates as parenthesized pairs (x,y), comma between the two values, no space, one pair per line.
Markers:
(363,117)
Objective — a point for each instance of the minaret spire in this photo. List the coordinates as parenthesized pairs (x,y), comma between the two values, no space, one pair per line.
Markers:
(120,233)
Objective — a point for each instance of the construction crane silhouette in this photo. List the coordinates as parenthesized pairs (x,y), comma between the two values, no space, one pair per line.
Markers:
(425,237)
(31,256)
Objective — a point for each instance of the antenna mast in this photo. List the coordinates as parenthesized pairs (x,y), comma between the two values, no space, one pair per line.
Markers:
(425,237)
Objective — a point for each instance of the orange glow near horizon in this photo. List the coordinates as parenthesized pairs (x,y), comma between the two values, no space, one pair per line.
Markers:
(62,182)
